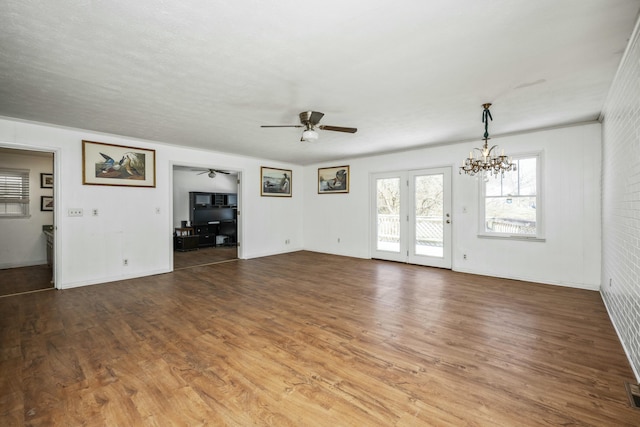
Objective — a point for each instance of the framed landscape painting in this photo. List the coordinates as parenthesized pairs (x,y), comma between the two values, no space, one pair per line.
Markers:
(110,164)
(333,180)
(275,182)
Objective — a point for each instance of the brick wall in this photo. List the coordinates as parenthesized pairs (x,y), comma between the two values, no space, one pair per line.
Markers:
(620,285)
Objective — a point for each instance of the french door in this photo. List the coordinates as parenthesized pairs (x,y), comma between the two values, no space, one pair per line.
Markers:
(412,217)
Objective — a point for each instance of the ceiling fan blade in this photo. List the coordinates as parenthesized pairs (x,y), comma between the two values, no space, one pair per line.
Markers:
(202,172)
(338,129)
(224,172)
(281,126)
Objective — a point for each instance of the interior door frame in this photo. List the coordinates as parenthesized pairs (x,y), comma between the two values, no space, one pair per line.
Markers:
(57,195)
(240,216)
(407,219)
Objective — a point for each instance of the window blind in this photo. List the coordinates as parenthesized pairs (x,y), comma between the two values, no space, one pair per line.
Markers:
(14,192)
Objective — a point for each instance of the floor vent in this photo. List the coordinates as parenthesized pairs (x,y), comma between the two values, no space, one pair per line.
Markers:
(633,390)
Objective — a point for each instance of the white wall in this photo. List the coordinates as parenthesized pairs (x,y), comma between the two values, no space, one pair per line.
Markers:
(91,249)
(570,255)
(621,202)
(185,181)
(22,242)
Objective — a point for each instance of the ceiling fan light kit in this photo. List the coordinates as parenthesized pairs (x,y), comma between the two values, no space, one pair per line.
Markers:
(309,135)
(309,120)
(487,162)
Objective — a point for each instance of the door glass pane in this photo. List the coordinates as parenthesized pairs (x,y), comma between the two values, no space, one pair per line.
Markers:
(429,202)
(388,212)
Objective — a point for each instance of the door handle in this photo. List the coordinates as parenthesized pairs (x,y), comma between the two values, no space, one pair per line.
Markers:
(448,221)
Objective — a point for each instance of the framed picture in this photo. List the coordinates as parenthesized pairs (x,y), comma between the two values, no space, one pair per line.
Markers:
(109,164)
(333,180)
(46,180)
(275,182)
(46,203)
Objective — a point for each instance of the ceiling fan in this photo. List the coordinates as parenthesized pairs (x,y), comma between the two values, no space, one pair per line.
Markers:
(212,172)
(310,120)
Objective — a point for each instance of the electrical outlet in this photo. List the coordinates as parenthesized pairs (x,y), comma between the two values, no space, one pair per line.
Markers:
(158,211)
(74,212)
(464,256)
(125,262)
(94,212)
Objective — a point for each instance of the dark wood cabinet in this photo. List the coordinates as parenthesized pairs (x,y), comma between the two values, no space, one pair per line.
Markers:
(206,234)
(213,217)
(185,243)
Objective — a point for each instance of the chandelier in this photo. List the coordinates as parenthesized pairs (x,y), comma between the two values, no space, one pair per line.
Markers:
(487,162)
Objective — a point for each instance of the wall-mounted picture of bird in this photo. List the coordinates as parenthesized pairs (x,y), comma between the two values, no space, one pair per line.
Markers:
(109,164)
(333,180)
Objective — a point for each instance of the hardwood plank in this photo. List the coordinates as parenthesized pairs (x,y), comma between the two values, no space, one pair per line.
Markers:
(25,279)
(312,339)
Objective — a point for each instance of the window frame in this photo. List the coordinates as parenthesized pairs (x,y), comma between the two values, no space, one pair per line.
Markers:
(539,236)
(25,198)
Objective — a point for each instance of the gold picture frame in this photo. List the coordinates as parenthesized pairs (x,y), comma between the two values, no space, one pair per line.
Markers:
(334,179)
(275,182)
(120,165)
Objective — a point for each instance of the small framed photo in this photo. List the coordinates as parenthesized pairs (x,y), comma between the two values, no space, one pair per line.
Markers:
(275,182)
(109,164)
(46,180)
(333,180)
(46,203)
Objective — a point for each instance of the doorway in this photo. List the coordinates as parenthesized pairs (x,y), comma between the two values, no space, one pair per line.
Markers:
(411,213)
(213,192)
(27,224)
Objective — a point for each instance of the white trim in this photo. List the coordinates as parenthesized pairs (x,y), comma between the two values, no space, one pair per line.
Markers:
(512,237)
(57,194)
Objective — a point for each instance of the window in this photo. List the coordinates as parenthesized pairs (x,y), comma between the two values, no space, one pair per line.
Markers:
(14,193)
(511,203)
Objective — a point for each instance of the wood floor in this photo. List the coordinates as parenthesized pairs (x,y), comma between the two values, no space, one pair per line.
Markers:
(307,339)
(25,279)
(203,256)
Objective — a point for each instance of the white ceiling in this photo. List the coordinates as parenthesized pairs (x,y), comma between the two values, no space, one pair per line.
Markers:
(407,74)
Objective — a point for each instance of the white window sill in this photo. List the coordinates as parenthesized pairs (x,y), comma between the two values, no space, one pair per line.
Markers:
(512,237)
